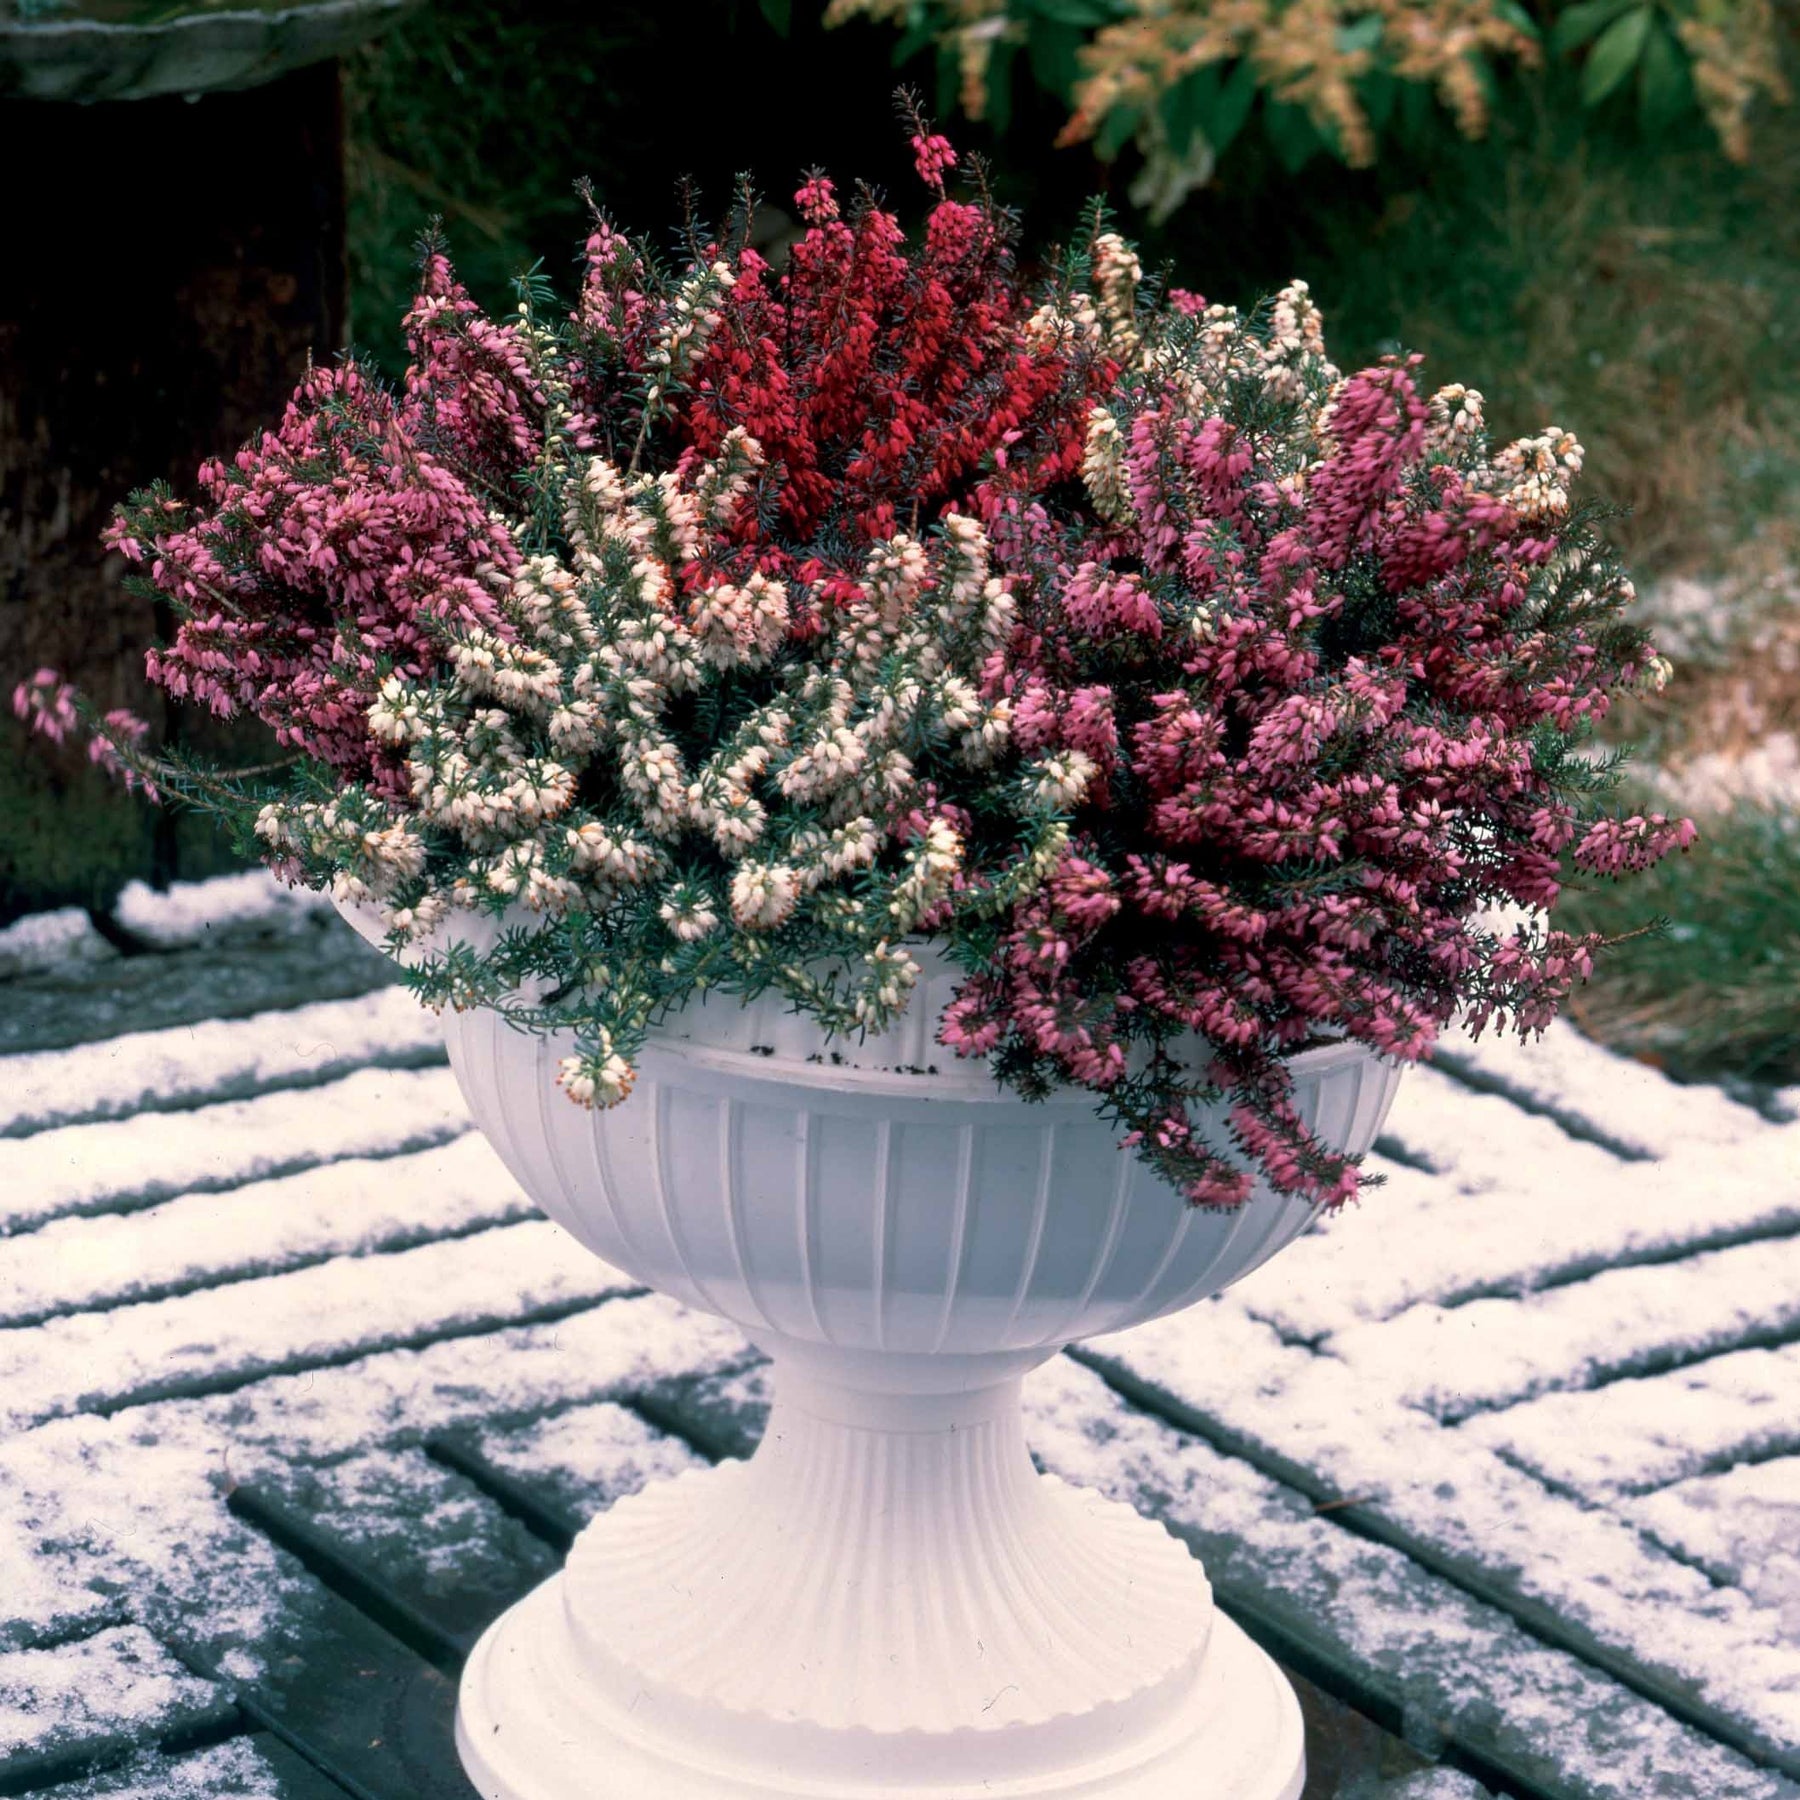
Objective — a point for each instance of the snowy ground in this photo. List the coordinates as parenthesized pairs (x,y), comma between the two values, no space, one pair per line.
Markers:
(1509,1456)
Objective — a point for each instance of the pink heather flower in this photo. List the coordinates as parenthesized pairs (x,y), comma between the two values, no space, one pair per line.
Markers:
(47,704)
(933,157)
(1623,846)
(1297,659)
(122,731)
(338,548)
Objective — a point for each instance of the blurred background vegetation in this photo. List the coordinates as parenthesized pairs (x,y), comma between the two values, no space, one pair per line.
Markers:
(1589,210)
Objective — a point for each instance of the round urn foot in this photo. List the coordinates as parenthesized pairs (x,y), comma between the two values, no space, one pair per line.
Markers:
(887,1600)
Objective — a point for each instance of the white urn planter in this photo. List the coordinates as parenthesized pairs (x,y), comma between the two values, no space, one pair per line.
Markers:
(887,1599)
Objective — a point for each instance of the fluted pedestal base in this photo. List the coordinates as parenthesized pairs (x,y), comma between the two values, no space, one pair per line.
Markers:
(887,1600)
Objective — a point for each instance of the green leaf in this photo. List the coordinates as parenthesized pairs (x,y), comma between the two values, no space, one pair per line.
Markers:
(1187,108)
(1236,97)
(949,79)
(1085,14)
(1581,23)
(1116,131)
(1418,114)
(1378,90)
(1360,34)
(780,15)
(1000,85)
(1052,49)
(1665,89)
(921,34)
(1614,55)
(1291,134)
(1513,14)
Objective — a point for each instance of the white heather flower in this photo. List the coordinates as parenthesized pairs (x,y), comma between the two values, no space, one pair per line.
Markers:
(892,775)
(538,791)
(769,613)
(1456,419)
(1065,325)
(688,911)
(545,892)
(391,855)
(723,482)
(420,919)
(394,715)
(997,621)
(824,765)
(963,578)
(894,577)
(618,859)
(1533,475)
(736,626)
(575,728)
(603,1078)
(889,979)
(1117,273)
(763,895)
(933,862)
(1103,468)
(989,732)
(525,677)
(693,317)
(1062,779)
(349,889)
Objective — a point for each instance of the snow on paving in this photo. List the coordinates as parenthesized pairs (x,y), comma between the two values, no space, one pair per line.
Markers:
(1462,1505)
(1632,1437)
(1742,1527)
(587,1454)
(186,913)
(117,1681)
(358,1206)
(214,1059)
(132,1500)
(51,940)
(132,1162)
(1449,1661)
(315,1262)
(85,1362)
(1458,1360)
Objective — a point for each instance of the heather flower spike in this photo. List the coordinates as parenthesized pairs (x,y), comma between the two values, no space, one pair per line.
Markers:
(740,631)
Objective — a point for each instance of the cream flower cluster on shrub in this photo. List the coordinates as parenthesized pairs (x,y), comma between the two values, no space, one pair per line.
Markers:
(546,768)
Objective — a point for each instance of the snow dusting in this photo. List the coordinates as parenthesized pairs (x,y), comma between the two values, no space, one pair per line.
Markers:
(214,1059)
(50,940)
(120,1680)
(153,1156)
(1553,1364)
(186,912)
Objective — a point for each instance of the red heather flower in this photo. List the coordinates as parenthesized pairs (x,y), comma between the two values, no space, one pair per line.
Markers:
(886,383)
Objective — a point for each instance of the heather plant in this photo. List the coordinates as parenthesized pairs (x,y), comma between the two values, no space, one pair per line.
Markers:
(1317,666)
(742,631)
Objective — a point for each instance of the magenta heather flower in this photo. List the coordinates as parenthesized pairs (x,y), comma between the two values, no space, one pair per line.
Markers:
(1329,662)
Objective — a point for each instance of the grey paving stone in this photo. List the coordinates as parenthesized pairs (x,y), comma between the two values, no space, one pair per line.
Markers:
(88,1700)
(243,972)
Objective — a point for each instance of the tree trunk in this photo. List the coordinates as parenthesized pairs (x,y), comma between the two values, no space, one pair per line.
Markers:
(170,266)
